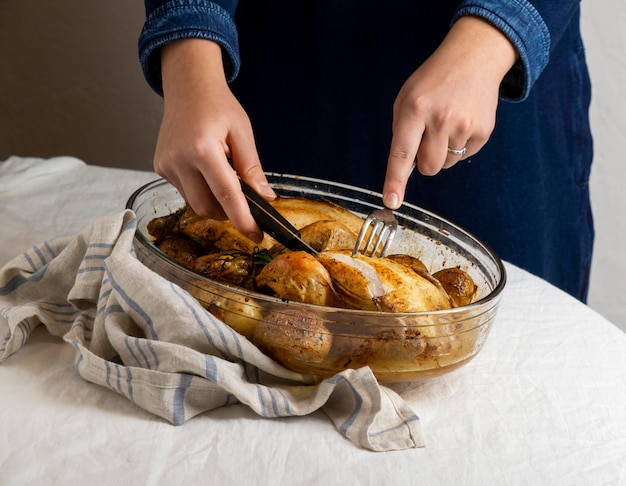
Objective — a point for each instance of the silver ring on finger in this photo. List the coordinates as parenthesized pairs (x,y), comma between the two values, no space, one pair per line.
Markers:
(461,152)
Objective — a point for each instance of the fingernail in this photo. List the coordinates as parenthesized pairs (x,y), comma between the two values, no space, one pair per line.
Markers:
(391,201)
(266,190)
(256,237)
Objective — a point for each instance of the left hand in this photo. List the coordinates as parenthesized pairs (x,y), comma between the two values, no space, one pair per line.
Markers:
(450,101)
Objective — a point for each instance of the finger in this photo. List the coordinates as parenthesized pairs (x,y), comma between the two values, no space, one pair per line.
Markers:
(432,152)
(456,151)
(196,191)
(225,188)
(471,136)
(404,144)
(247,164)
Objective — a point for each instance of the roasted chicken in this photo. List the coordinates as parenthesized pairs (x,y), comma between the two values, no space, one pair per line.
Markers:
(398,283)
(333,278)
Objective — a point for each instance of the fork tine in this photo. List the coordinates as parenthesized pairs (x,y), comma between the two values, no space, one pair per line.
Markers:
(382,226)
(390,237)
(376,238)
(385,235)
(376,232)
(362,233)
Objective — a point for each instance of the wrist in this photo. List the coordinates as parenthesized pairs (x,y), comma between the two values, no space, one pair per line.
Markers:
(484,41)
(195,61)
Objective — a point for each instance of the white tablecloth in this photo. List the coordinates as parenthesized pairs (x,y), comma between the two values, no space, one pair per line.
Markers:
(543,403)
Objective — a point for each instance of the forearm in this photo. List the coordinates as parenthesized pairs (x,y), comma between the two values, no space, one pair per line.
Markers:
(173,20)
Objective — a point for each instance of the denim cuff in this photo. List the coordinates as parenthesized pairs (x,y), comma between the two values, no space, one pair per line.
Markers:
(180,19)
(527,31)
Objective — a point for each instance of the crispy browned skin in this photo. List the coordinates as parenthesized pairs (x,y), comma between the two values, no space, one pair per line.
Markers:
(413,263)
(297,276)
(221,235)
(235,268)
(328,235)
(302,212)
(180,249)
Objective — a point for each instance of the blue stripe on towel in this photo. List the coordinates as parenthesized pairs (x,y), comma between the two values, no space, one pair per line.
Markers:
(30,261)
(132,353)
(101,245)
(274,404)
(90,269)
(129,383)
(259,391)
(96,257)
(118,380)
(105,294)
(19,280)
(39,253)
(276,412)
(108,374)
(138,343)
(285,402)
(178,412)
(210,368)
(235,336)
(196,316)
(155,356)
(53,253)
(133,305)
(357,405)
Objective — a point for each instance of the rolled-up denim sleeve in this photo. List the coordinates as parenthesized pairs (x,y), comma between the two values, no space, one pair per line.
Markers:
(170,20)
(533,27)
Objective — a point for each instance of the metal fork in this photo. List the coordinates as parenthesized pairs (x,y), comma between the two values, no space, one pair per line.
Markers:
(383,226)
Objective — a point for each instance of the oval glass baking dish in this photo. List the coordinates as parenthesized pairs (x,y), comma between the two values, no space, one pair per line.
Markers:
(324,340)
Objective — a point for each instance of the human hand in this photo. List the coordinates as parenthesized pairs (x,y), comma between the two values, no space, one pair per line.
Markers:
(204,127)
(449,102)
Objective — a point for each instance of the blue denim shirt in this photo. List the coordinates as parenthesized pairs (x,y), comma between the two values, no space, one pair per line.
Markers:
(529,26)
(297,67)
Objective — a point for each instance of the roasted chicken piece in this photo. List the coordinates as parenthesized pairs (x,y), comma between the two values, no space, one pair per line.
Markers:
(234,267)
(180,249)
(222,235)
(301,212)
(380,284)
(418,267)
(328,235)
(297,276)
(413,263)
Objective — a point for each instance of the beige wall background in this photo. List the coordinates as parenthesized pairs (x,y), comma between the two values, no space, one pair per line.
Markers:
(70,84)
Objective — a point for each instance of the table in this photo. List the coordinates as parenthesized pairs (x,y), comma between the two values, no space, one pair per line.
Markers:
(543,403)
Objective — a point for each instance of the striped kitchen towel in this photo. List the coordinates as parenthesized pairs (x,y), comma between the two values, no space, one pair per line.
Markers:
(150,341)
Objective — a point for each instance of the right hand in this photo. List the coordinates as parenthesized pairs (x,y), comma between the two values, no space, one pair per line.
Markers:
(203,127)
(450,101)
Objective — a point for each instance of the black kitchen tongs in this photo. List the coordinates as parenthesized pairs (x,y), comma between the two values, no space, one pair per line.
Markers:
(273,223)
